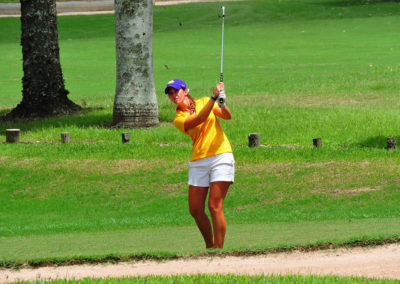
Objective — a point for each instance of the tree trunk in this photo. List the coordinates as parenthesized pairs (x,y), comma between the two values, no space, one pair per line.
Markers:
(43,93)
(135,103)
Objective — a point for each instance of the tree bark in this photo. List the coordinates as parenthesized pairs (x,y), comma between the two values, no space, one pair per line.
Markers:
(43,93)
(135,103)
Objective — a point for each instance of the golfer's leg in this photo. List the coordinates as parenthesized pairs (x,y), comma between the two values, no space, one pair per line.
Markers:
(218,192)
(197,199)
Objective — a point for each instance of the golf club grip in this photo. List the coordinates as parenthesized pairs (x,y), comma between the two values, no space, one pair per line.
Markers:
(222,98)
(221,77)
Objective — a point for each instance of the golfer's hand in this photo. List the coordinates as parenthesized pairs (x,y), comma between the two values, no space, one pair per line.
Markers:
(221,95)
(220,87)
(222,99)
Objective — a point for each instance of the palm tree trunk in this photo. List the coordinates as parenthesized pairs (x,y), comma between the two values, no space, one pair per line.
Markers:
(43,93)
(135,103)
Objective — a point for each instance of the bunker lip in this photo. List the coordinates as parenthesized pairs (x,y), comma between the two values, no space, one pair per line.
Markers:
(375,262)
(161,256)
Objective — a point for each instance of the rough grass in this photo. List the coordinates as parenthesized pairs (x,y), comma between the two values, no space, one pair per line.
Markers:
(85,193)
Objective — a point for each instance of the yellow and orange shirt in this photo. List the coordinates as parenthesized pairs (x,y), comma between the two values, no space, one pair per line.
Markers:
(208,137)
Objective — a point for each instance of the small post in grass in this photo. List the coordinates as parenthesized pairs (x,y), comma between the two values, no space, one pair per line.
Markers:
(126,136)
(317,142)
(65,137)
(254,139)
(391,143)
(12,135)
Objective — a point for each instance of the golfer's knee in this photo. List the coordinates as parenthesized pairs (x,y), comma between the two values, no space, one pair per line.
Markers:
(215,208)
(196,212)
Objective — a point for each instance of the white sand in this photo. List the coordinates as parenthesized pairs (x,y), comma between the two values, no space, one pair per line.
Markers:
(377,262)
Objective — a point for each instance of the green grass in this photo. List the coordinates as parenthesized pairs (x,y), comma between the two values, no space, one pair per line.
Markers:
(185,241)
(89,193)
(228,279)
(294,71)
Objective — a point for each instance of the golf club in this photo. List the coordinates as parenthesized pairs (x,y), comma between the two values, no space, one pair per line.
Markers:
(222,96)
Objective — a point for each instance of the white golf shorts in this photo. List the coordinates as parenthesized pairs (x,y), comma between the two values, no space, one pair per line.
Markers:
(215,168)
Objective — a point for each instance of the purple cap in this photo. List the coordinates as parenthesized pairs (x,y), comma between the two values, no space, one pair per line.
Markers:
(176,84)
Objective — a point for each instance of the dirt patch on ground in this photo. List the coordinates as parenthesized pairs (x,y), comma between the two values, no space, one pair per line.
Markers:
(327,101)
(353,191)
(257,168)
(105,166)
(376,262)
(27,161)
(304,100)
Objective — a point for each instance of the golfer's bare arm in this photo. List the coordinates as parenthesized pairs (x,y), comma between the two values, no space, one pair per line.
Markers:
(223,113)
(194,120)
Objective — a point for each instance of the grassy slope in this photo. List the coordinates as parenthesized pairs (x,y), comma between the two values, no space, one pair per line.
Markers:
(186,241)
(294,71)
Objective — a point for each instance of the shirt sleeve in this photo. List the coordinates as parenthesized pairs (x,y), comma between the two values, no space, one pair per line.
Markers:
(179,120)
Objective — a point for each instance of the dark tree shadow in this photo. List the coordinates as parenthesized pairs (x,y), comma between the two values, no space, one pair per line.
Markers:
(346,3)
(3,113)
(379,142)
(88,117)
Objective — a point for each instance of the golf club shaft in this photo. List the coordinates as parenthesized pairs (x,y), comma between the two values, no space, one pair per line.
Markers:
(222,47)
(222,97)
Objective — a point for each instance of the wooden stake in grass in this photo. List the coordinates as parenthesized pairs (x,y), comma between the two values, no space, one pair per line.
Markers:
(126,136)
(65,137)
(12,135)
(391,143)
(317,142)
(254,140)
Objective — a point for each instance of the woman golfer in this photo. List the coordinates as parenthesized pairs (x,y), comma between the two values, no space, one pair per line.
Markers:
(212,165)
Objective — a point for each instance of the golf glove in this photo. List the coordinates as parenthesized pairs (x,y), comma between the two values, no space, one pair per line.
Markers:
(221,99)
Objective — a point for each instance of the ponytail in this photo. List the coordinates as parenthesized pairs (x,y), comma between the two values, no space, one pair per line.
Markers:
(192,104)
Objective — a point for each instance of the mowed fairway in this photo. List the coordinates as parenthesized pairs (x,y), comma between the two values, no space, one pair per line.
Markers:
(294,71)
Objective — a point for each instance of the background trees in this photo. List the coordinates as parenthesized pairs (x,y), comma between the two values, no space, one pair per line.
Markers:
(43,93)
(135,103)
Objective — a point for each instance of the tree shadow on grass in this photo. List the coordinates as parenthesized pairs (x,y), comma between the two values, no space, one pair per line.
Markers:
(347,3)
(88,117)
(378,142)
(3,112)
